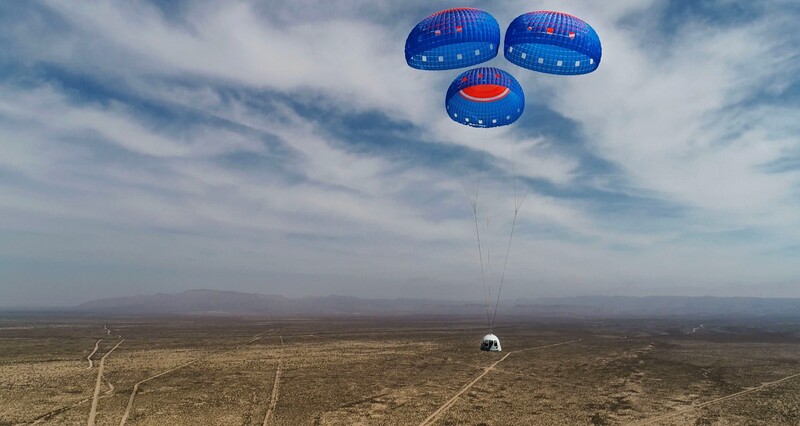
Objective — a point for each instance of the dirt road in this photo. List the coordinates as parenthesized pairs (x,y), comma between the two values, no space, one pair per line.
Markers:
(273,399)
(441,410)
(694,330)
(52,413)
(715,401)
(89,358)
(141,382)
(132,398)
(256,337)
(93,411)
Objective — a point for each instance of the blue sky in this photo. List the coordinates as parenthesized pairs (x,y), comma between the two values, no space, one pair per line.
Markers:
(285,147)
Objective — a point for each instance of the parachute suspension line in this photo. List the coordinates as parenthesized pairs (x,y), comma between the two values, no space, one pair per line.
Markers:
(489,285)
(517,205)
(480,254)
(474,203)
(505,262)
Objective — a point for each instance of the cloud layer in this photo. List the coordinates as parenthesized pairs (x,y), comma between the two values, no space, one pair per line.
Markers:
(285,147)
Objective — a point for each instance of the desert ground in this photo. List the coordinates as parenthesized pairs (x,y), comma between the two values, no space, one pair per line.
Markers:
(350,370)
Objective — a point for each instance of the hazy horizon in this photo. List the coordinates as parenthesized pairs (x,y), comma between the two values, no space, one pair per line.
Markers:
(286,148)
(443,299)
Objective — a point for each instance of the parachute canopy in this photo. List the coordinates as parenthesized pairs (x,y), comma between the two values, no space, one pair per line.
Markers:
(485,97)
(553,43)
(453,38)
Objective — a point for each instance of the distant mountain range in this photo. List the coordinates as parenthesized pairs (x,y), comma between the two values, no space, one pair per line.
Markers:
(673,306)
(231,302)
(215,301)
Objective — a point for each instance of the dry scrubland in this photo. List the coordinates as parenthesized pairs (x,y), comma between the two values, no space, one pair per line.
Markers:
(190,371)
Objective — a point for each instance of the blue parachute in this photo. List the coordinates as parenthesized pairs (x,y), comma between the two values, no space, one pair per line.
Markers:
(453,38)
(485,97)
(553,43)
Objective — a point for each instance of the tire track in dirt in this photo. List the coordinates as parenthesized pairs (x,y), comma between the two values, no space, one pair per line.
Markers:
(132,398)
(60,410)
(98,383)
(136,388)
(49,414)
(52,413)
(273,399)
(256,337)
(736,358)
(89,358)
(544,380)
(444,407)
(715,401)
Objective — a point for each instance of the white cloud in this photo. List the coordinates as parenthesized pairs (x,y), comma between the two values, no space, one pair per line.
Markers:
(683,125)
(346,58)
(675,120)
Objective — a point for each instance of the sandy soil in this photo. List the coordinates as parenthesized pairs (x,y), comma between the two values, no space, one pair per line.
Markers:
(372,371)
